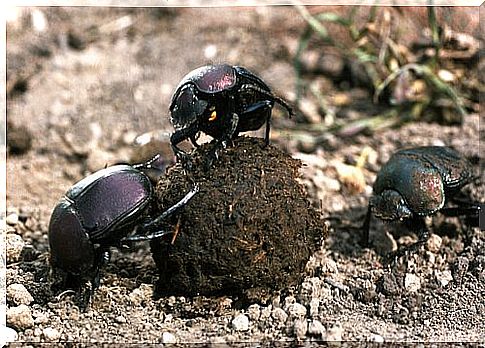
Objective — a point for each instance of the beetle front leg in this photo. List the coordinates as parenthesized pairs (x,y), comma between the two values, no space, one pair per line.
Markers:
(193,139)
(180,135)
(232,123)
(103,256)
(255,112)
(175,139)
(142,230)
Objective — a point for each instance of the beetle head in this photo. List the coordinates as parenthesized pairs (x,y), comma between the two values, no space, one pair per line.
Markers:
(186,107)
(70,247)
(389,205)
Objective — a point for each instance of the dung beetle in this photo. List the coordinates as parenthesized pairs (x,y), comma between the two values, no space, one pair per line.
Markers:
(221,101)
(418,182)
(110,207)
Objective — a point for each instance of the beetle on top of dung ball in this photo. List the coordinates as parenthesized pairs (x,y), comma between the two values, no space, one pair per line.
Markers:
(221,101)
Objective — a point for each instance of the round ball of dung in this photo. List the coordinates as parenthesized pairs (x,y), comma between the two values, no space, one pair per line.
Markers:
(250,229)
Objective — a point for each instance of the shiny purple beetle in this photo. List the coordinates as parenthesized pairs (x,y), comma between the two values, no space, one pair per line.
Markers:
(110,207)
(418,182)
(221,101)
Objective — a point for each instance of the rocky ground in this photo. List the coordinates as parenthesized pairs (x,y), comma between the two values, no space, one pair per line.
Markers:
(88,87)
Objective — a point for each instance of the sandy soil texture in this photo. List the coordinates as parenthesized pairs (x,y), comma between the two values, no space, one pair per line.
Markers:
(90,87)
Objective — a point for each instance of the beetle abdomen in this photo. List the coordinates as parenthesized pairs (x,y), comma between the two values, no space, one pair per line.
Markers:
(122,194)
(455,170)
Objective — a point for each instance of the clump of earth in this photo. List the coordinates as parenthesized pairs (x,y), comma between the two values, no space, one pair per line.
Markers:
(248,232)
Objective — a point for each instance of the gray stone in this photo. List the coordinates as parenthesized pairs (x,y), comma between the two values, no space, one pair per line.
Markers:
(12,219)
(316,328)
(279,315)
(20,317)
(297,310)
(300,328)
(168,338)
(18,294)
(51,334)
(7,334)
(254,312)
(334,334)
(14,244)
(412,282)
(433,244)
(240,323)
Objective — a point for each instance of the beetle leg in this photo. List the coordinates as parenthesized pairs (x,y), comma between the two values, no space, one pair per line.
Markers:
(175,139)
(147,164)
(137,238)
(103,256)
(222,142)
(193,140)
(255,111)
(470,211)
(181,135)
(271,96)
(141,230)
(366,227)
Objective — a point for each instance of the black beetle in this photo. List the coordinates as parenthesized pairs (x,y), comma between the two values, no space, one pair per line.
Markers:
(418,182)
(221,101)
(108,208)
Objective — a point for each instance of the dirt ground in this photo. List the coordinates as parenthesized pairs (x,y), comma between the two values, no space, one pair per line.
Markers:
(89,87)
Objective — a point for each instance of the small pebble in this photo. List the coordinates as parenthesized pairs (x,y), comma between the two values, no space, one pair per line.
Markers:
(316,328)
(20,317)
(266,312)
(7,334)
(120,319)
(443,277)
(168,318)
(310,288)
(433,244)
(40,318)
(210,51)
(51,334)
(240,323)
(376,338)
(297,310)
(168,338)
(279,315)
(14,244)
(300,328)
(289,300)
(141,294)
(12,219)
(18,294)
(217,340)
(334,334)
(460,267)
(314,306)
(254,312)
(412,282)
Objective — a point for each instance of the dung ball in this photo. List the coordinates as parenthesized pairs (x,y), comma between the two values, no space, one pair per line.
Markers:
(250,229)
